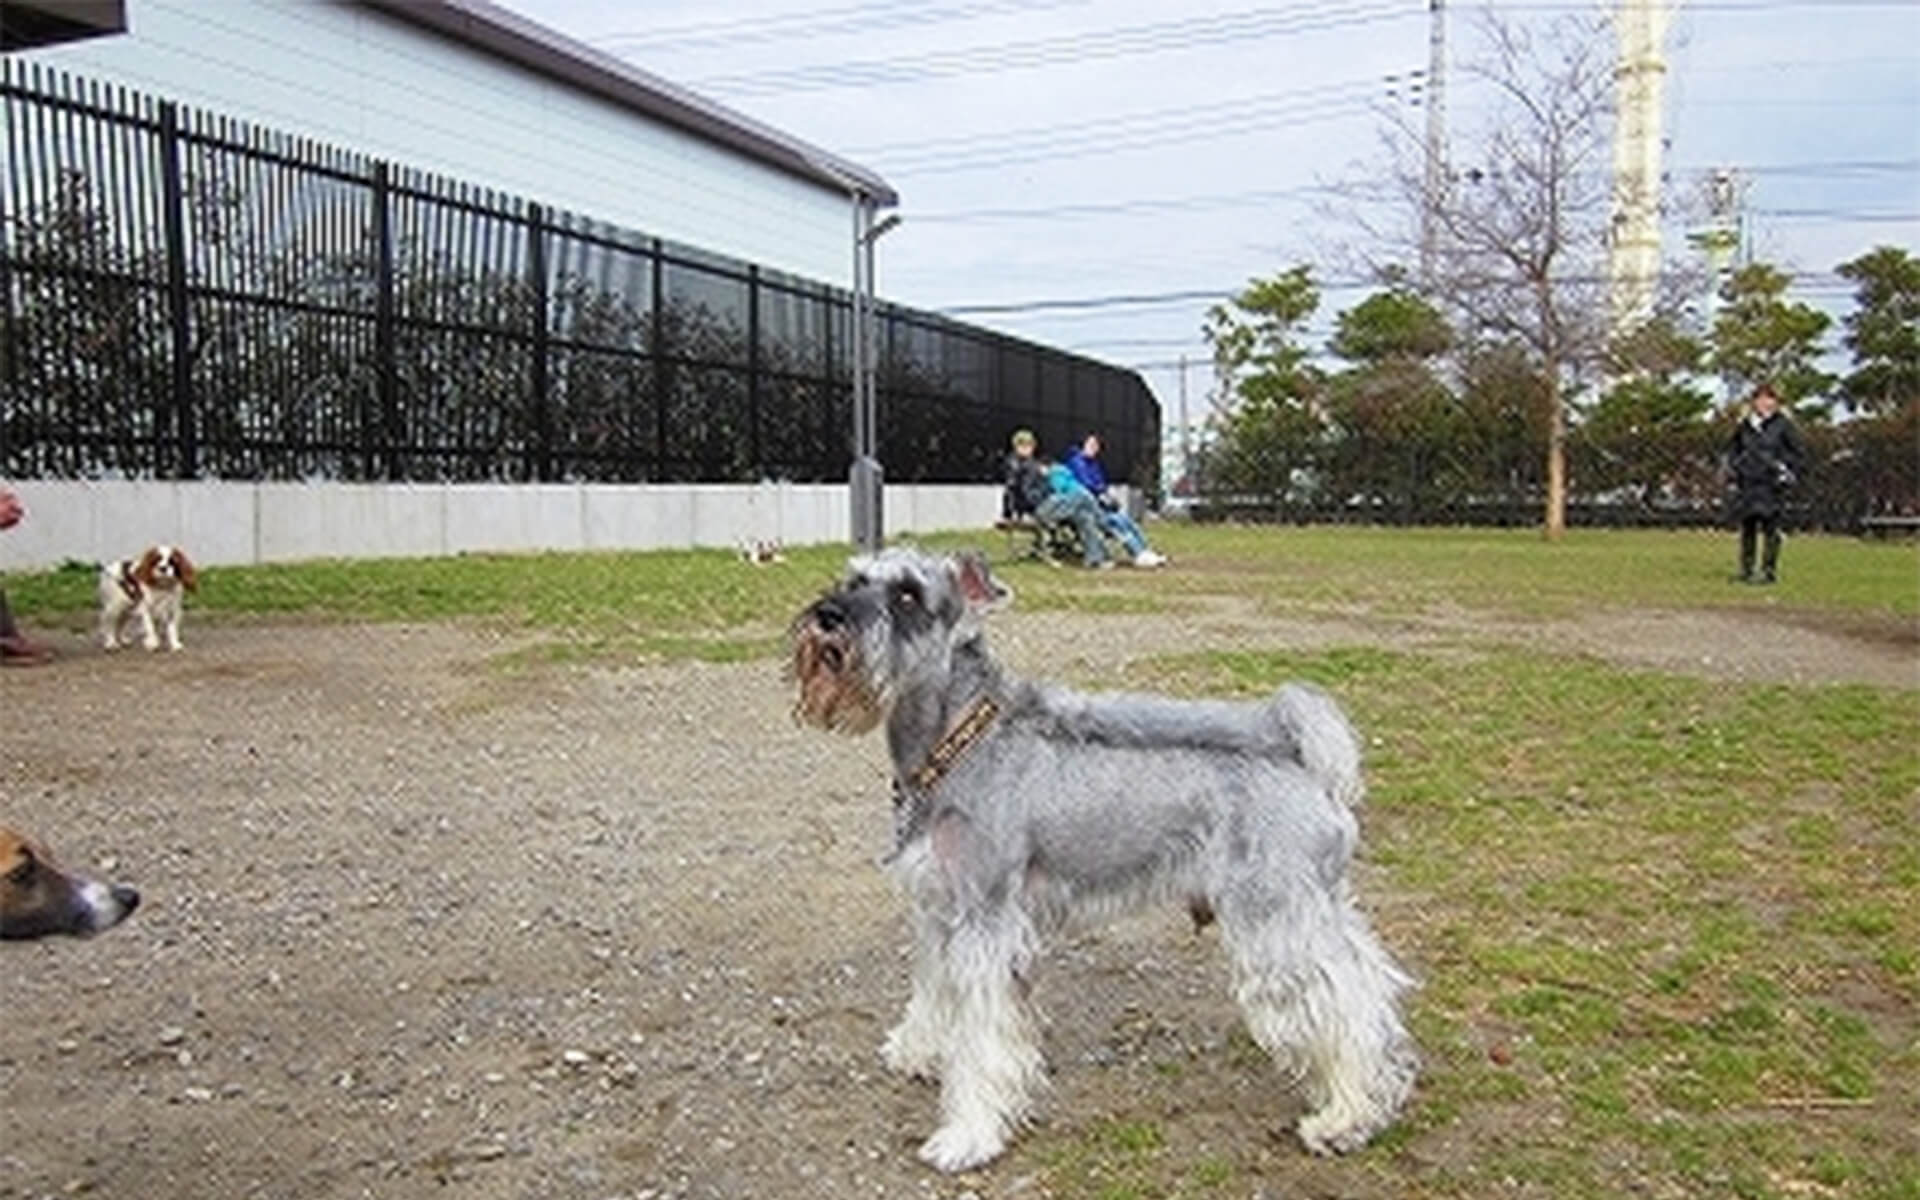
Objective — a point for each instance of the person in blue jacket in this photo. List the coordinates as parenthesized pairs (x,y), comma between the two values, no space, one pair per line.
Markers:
(1030,491)
(1083,464)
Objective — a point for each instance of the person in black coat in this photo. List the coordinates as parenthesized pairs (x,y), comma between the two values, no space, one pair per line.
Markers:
(1765,457)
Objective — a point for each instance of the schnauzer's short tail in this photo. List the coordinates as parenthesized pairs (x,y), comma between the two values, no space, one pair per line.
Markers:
(1323,738)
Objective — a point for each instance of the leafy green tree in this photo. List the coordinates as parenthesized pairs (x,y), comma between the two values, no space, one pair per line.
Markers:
(1272,428)
(1388,325)
(1255,335)
(1883,332)
(1647,434)
(1502,423)
(1395,419)
(1762,337)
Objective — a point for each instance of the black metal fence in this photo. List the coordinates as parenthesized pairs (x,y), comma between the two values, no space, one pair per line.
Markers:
(187,296)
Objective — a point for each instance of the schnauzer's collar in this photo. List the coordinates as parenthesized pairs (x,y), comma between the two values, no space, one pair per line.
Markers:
(965,734)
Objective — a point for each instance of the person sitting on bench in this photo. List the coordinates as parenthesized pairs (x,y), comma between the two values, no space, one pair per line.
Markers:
(1084,463)
(1030,493)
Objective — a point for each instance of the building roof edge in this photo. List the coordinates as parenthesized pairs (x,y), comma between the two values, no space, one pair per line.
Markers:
(508,35)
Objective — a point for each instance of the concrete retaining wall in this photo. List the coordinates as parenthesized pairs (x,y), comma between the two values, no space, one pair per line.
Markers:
(237,523)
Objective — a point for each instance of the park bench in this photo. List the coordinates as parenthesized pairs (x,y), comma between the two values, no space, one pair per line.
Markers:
(1882,527)
(1047,543)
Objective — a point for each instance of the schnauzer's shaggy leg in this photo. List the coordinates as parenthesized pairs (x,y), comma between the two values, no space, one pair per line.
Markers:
(992,1061)
(918,1044)
(1320,994)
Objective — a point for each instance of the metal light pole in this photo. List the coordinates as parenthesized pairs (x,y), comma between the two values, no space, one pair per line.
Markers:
(866,481)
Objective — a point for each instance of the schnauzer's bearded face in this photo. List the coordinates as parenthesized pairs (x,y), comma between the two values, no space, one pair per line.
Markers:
(890,624)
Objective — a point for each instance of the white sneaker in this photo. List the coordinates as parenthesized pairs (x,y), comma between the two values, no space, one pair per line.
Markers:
(1149,558)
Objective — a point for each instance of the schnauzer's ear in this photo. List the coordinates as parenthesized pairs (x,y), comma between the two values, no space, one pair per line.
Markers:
(982,591)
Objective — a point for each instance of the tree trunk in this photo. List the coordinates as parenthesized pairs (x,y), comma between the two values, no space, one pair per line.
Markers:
(1556,455)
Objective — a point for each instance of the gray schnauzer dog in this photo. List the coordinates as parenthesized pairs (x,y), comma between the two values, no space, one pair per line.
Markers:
(1020,807)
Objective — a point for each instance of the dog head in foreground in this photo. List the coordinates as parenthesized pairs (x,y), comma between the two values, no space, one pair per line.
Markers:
(889,625)
(38,899)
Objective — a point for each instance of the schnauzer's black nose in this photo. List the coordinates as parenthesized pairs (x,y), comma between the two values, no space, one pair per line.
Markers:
(126,897)
(829,616)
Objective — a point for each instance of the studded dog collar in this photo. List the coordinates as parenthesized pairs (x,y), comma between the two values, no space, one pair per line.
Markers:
(947,753)
(912,796)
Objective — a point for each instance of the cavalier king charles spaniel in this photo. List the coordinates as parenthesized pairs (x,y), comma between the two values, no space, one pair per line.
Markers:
(150,588)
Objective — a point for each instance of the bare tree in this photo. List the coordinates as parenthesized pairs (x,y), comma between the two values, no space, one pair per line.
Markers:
(1518,215)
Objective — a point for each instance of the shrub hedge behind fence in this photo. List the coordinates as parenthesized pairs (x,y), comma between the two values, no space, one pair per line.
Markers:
(186,296)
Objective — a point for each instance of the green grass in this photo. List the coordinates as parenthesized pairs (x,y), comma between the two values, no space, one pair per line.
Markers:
(652,604)
(1667,927)
(1681,911)
(1516,572)
(1379,570)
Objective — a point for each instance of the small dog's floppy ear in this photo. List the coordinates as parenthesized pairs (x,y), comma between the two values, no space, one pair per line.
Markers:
(183,567)
(982,591)
(144,569)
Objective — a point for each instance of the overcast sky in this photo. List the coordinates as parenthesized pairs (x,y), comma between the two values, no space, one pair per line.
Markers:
(1058,149)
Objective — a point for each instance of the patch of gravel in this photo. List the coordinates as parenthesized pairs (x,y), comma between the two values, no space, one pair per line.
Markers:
(414,924)
(1739,645)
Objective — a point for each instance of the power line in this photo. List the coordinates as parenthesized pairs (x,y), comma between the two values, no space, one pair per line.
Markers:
(1025,306)
(826,22)
(1151,343)
(1835,215)
(1808,280)
(1103,126)
(1144,127)
(1213,200)
(1122,300)
(1721,5)
(1122,207)
(1157,37)
(1330,107)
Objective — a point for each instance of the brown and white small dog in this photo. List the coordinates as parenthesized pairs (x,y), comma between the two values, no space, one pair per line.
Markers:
(762,552)
(38,899)
(150,588)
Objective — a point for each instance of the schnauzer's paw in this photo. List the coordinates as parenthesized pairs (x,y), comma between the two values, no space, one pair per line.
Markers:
(1331,1131)
(962,1147)
(912,1053)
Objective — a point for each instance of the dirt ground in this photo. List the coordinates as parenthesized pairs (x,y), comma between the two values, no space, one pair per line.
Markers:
(418,926)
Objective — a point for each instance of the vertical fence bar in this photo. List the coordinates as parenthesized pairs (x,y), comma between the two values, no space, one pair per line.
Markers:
(387,437)
(830,429)
(9,363)
(537,381)
(179,314)
(753,371)
(657,346)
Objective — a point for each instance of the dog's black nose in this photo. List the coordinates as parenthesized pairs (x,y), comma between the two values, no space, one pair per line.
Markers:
(828,615)
(126,897)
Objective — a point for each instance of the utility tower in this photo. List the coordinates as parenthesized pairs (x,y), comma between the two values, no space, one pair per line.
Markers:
(1722,239)
(1436,178)
(1640,76)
